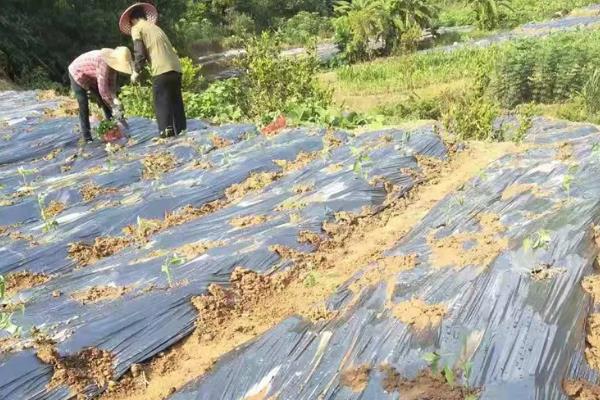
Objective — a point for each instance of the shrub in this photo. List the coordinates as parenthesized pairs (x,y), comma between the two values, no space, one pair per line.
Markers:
(546,71)
(471,116)
(304,26)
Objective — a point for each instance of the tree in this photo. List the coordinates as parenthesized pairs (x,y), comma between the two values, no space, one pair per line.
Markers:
(489,12)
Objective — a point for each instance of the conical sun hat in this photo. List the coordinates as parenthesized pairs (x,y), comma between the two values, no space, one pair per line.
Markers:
(119,59)
(125,20)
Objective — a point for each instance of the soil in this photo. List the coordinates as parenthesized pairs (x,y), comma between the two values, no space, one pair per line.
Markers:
(86,254)
(218,142)
(591,284)
(592,352)
(333,168)
(419,314)
(303,188)
(88,367)
(54,208)
(52,155)
(487,244)
(581,390)
(90,191)
(194,250)
(356,379)
(425,386)
(249,220)
(254,182)
(271,303)
(201,164)
(155,165)
(99,294)
(517,189)
(301,161)
(18,281)
(564,152)
(544,271)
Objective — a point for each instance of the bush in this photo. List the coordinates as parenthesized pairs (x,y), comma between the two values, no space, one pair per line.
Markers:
(274,83)
(219,102)
(414,108)
(304,26)
(470,116)
(545,71)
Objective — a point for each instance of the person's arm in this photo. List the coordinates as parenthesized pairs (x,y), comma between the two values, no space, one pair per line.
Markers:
(140,53)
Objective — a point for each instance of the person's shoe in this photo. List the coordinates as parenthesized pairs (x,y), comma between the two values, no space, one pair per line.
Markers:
(167,133)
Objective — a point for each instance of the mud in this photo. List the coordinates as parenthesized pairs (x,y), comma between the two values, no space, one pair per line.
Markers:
(18,281)
(591,284)
(90,191)
(54,208)
(419,314)
(518,189)
(86,254)
(247,221)
(155,165)
(592,352)
(564,151)
(544,272)
(98,294)
(301,161)
(193,250)
(580,390)
(91,366)
(356,379)
(485,245)
(219,142)
(253,183)
(425,386)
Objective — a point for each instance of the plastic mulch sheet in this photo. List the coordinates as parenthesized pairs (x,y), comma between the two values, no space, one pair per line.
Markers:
(42,164)
(505,256)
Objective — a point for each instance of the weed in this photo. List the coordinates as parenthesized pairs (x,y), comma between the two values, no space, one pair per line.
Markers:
(310,280)
(524,116)
(433,359)
(538,240)
(568,180)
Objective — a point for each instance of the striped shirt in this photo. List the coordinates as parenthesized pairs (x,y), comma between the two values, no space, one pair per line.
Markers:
(90,71)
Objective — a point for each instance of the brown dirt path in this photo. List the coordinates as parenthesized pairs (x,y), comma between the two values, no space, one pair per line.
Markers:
(195,355)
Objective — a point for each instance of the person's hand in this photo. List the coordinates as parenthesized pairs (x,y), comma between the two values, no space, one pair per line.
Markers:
(134,77)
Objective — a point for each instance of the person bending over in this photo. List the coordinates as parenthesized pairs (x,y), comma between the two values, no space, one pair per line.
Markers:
(95,73)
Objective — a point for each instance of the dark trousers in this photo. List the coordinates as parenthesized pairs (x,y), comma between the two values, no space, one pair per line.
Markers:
(168,102)
(84,107)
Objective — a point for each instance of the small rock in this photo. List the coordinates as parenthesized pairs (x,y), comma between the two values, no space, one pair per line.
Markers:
(172,390)
(56,293)
(136,370)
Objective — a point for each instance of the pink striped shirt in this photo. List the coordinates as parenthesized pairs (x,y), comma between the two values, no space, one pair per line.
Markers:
(90,71)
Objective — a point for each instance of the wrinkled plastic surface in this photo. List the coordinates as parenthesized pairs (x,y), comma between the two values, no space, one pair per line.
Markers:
(152,316)
(532,331)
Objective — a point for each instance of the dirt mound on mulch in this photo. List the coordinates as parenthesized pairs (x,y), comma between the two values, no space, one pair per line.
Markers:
(155,165)
(249,220)
(425,386)
(470,248)
(419,314)
(356,379)
(98,294)
(580,390)
(53,209)
(90,191)
(24,280)
(86,254)
(592,352)
(91,366)
(301,161)
(253,183)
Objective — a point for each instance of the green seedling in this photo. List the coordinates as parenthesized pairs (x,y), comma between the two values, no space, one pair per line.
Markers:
(172,261)
(310,280)
(540,239)
(568,180)
(6,323)
(449,375)
(433,359)
(25,173)
(49,223)
(360,158)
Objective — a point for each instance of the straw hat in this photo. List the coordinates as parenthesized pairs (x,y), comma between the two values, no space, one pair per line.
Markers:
(125,22)
(119,59)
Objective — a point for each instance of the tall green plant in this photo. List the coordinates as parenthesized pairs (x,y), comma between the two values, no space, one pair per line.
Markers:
(488,13)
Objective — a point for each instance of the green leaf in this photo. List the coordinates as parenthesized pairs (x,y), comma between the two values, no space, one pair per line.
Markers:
(449,375)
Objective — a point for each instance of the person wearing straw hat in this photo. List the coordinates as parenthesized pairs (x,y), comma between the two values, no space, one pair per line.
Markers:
(151,44)
(96,72)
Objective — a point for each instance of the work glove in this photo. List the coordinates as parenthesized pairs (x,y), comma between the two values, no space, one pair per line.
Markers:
(134,77)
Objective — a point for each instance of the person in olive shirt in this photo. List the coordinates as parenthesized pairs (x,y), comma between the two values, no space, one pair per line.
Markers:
(152,44)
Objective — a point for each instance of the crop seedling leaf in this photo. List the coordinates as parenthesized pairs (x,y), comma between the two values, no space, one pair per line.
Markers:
(433,360)
(449,375)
